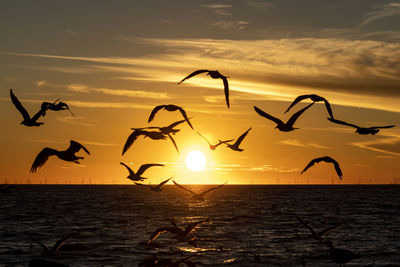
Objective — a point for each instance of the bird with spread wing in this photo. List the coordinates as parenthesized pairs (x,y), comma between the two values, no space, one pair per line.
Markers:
(138,175)
(362,130)
(328,160)
(198,196)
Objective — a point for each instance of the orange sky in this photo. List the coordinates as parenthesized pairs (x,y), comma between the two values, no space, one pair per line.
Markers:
(112,68)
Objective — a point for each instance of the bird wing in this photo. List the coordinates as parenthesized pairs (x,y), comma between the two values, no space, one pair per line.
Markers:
(164,182)
(40,243)
(142,184)
(296,115)
(382,127)
(343,123)
(127,167)
(211,189)
(328,108)
(60,243)
(41,112)
(193,225)
(297,100)
(131,138)
(311,163)
(223,142)
(144,167)
(19,106)
(159,231)
(184,188)
(173,142)
(204,138)
(194,73)
(240,139)
(185,116)
(173,125)
(307,226)
(75,147)
(154,111)
(226,90)
(42,158)
(266,115)
(321,233)
(337,167)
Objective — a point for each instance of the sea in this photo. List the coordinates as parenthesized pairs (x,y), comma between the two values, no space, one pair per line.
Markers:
(250,225)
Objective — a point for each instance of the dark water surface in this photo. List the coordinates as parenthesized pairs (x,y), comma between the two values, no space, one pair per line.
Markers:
(112,224)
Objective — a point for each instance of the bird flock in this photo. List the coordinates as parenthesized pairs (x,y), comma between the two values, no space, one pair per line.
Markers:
(167,132)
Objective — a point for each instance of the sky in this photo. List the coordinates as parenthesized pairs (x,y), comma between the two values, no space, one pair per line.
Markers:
(113,61)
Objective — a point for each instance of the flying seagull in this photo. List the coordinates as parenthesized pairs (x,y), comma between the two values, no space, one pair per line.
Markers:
(170,129)
(315,235)
(169,107)
(314,98)
(236,145)
(213,147)
(67,155)
(284,127)
(181,234)
(326,159)
(215,75)
(28,121)
(156,188)
(198,196)
(138,175)
(340,255)
(58,106)
(138,132)
(362,130)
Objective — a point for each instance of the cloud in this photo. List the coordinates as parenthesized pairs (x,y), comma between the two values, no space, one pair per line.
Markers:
(389,145)
(258,4)
(295,142)
(71,32)
(41,83)
(220,9)
(11,79)
(384,11)
(232,25)
(75,120)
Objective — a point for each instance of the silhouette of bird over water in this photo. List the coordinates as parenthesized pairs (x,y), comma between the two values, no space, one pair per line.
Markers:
(56,247)
(315,235)
(326,159)
(339,255)
(169,107)
(213,147)
(155,188)
(138,132)
(181,234)
(198,196)
(138,175)
(284,127)
(28,121)
(362,130)
(215,75)
(314,98)
(67,155)
(236,145)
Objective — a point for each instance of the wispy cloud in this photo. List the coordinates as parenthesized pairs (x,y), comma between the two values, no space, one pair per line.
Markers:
(11,79)
(295,142)
(383,11)
(71,32)
(232,25)
(258,3)
(388,145)
(220,9)
(75,120)
(41,83)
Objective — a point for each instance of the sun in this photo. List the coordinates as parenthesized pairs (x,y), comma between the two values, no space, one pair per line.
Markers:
(195,160)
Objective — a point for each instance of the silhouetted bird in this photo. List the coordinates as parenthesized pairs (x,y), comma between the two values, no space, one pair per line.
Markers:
(213,147)
(56,247)
(326,159)
(198,196)
(138,132)
(169,107)
(138,175)
(181,234)
(28,121)
(58,106)
(362,130)
(339,255)
(67,155)
(284,127)
(215,75)
(315,235)
(170,129)
(156,188)
(236,145)
(314,98)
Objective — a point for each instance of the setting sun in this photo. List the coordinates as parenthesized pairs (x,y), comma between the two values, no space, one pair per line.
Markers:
(195,160)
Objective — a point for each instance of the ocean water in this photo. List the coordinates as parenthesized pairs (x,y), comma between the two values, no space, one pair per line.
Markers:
(250,225)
